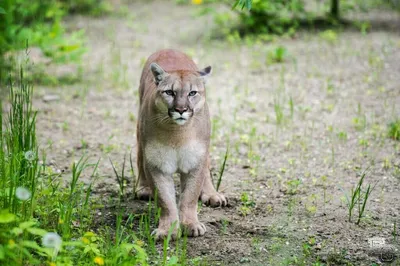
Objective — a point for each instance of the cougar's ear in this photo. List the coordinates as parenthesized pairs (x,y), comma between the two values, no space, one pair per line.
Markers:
(158,73)
(205,73)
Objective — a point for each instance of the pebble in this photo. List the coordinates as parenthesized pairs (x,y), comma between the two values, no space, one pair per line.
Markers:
(50,98)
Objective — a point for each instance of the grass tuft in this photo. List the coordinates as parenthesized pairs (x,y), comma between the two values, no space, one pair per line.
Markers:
(394,130)
(358,197)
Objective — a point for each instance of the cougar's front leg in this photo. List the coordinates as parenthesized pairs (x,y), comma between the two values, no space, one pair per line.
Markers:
(191,185)
(163,185)
(209,195)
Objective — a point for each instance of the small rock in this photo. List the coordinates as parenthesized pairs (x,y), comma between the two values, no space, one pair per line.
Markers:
(50,98)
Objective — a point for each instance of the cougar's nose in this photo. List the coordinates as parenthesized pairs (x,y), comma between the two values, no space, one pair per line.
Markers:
(181,110)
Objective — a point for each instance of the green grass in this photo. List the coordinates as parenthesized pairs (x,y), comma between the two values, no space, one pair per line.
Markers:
(19,165)
(276,55)
(222,169)
(279,116)
(358,197)
(394,130)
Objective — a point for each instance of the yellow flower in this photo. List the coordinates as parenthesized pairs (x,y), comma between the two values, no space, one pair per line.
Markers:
(11,242)
(99,260)
(52,264)
(197,2)
(60,221)
(85,240)
(140,243)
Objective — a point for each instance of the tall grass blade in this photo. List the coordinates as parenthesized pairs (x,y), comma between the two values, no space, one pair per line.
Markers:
(222,170)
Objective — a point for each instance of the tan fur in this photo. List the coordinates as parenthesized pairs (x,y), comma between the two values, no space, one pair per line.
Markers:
(173,135)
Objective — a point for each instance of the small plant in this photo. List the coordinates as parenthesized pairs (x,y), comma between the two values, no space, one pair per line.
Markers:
(293,186)
(247,204)
(394,130)
(291,107)
(120,178)
(360,122)
(279,116)
(329,36)
(342,135)
(277,55)
(358,197)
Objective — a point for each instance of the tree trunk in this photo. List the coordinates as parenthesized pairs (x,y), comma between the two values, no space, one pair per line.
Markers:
(335,9)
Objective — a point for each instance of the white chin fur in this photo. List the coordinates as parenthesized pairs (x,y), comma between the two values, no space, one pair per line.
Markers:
(180,122)
(176,116)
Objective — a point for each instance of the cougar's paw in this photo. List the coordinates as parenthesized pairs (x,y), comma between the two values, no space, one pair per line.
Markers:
(161,234)
(214,200)
(194,229)
(144,193)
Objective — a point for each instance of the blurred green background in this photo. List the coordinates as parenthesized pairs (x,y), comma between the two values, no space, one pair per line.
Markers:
(38,23)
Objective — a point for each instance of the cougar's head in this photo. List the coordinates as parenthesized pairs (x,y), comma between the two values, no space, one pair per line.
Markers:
(180,94)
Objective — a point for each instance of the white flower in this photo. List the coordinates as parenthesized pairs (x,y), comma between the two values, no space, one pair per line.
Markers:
(52,240)
(22,193)
(30,156)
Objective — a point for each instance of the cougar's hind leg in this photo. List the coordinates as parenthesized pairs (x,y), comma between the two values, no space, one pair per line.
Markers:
(143,189)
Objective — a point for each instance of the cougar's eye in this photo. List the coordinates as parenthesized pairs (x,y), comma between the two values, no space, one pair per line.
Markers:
(192,93)
(169,92)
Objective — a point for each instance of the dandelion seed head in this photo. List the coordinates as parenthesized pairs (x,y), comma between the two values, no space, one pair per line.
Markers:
(30,156)
(22,193)
(52,240)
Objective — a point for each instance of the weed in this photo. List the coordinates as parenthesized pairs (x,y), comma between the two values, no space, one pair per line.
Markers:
(279,117)
(342,135)
(247,204)
(330,88)
(121,180)
(291,107)
(394,130)
(277,55)
(292,203)
(293,186)
(329,36)
(358,197)
(360,123)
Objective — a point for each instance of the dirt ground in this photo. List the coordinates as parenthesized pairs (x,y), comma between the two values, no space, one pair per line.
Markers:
(300,133)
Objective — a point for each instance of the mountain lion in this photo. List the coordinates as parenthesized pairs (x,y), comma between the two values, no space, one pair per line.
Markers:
(173,136)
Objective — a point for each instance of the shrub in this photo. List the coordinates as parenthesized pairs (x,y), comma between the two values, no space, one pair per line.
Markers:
(271,16)
(38,23)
